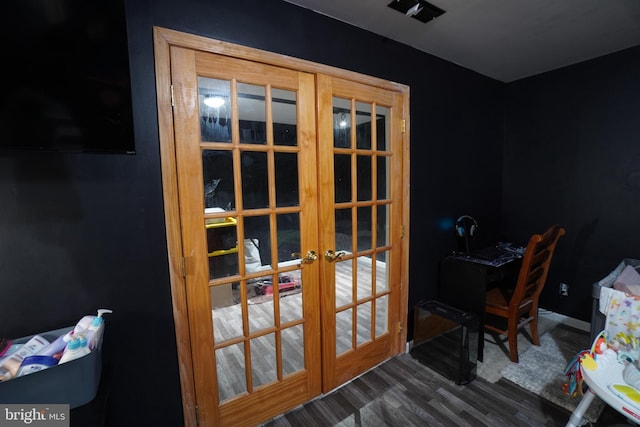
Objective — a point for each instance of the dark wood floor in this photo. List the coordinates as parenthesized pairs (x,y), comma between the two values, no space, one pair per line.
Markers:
(402,392)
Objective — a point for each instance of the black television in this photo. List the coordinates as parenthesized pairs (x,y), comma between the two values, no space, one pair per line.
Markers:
(69,86)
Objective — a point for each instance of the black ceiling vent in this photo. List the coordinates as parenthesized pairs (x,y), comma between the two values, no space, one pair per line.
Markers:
(418,9)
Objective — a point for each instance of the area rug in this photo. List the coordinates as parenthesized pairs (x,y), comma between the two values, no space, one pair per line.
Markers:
(541,368)
(496,349)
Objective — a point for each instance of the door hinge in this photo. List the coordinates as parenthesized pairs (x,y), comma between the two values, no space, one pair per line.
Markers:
(197,415)
(399,328)
(404,125)
(173,103)
(402,231)
(184,268)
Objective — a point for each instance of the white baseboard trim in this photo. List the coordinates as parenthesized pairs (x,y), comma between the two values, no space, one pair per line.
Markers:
(561,318)
(566,320)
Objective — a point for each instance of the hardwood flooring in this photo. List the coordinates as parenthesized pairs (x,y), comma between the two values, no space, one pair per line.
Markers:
(398,393)
(403,392)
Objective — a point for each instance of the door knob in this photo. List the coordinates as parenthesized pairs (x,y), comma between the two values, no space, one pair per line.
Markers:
(331,256)
(308,259)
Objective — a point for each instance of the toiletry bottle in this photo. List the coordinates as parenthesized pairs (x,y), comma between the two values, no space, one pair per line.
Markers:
(36,363)
(85,322)
(95,330)
(56,348)
(76,348)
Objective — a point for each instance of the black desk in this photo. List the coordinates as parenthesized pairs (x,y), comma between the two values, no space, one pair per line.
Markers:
(465,279)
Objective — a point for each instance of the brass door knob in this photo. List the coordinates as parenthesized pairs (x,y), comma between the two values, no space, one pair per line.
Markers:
(331,256)
(308,259)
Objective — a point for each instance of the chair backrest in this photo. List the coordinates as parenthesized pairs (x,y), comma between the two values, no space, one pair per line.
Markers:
(535,266)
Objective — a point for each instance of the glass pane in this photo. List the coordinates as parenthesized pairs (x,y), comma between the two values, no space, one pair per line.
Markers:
(363,323)
(382,120)
(382,282)
(287,179)
(230,367)
(344,283)
(252,114)
(252,257)
(342,177)
(363,288)
(227,315)
(261,314)
(263,359)
(286,284)
(341,123)
(284,117)
(382,225)
(255,180)
(364,177)
(344,333)
(217,173)
(222,247)
(292,349)
(288,237)
(343,230)
(382,315)
(363,126)
(365,237)
(257,243)
(383,178)
(291,306)
(215,109)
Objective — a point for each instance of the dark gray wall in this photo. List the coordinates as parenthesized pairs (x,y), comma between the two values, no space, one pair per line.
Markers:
(572,156)
(81,231)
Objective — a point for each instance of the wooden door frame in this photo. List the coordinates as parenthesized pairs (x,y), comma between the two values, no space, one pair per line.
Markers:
(164,39)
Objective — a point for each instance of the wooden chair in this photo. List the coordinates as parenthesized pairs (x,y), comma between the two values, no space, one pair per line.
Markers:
(519,307)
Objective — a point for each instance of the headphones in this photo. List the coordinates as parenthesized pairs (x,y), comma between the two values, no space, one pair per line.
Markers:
(461,226)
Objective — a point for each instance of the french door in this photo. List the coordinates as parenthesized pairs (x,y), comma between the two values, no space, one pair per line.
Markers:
(285,216)
(360,208)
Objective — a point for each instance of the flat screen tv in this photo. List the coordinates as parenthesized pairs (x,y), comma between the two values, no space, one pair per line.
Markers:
(68,84)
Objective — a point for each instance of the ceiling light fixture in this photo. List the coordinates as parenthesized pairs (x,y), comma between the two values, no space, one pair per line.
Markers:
(343,120)
(214,101)
(418,9)
(414,9)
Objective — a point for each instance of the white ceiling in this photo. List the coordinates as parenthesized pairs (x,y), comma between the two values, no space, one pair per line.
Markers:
(503,39)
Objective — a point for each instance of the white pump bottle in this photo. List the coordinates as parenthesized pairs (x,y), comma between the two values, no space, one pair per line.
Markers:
(92,327)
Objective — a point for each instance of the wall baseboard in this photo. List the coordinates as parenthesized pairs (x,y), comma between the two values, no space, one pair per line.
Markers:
(561,318)
(569,321)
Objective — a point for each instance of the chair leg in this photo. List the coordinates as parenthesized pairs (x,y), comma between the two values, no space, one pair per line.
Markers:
(535,337)
(512,334)
(533,327)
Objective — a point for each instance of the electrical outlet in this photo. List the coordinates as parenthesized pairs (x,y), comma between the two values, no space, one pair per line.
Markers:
(564,289)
